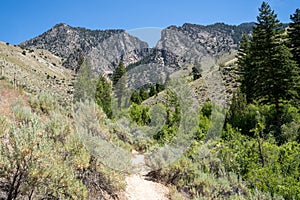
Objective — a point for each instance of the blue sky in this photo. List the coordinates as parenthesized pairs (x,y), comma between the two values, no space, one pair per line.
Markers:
(24,19)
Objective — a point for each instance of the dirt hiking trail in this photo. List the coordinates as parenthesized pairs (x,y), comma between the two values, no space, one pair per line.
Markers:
(139,188)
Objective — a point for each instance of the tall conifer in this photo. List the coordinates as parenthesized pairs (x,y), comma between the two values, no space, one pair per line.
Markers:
(269,74)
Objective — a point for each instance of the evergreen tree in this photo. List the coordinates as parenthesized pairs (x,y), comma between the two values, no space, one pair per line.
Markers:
(196,71)
(103,95)
(270,75)
(118,73)
(152,91)
(294,35)
(247,79)
(85,85)
(136,98)
(144,94)
(159,87)
(119,82)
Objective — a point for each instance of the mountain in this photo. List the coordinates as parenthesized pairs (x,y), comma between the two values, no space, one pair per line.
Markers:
(102,48)
(105,48)
(179,47)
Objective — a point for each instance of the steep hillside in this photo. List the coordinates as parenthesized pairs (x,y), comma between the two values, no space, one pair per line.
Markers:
(103,48)
(35,71)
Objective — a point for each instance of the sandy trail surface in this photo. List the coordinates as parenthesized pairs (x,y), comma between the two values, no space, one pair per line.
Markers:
(139,188)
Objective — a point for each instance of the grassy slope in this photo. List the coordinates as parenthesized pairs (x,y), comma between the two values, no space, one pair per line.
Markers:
(36,72)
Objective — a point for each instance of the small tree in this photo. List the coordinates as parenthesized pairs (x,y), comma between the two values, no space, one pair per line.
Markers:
(136,98)
(85,85)
(144,94)
(103,96)
(119,82)
(196,71)
(118,73)
(152,91)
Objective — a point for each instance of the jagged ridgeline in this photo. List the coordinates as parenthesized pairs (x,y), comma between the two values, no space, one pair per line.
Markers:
(101,48)
(106,48)
(214,39)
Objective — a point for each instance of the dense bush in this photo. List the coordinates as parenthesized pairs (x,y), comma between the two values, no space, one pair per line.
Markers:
(172,121)
(263,164)
(32,166)
(140,114)
(43,103)
(202,175)
(42,157)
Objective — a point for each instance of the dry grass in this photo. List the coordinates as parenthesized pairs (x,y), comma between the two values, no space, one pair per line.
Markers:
(8,97)
(36,71)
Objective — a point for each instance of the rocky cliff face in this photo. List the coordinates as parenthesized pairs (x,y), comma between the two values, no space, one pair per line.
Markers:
(189,43)
(101,48)
(152,55)
(192,41)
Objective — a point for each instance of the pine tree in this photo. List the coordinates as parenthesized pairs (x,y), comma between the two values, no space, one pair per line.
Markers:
(159,87)
(85,85)
(270,75)
(294,35)
(103,95)
(118,73)
(119,82)
(196,71)
(136,98)
(152,91)
(245,67)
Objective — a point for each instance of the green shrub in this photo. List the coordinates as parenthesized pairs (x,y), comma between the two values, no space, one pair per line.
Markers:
(262,164)
(32,167)
(22,114)
(58,127)
(43,103)
(140,114)
(202,176)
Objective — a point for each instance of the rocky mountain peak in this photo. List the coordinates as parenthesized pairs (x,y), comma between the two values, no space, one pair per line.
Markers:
(73,44)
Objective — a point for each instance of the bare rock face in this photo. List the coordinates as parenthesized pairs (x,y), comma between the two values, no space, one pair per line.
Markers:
(101,48)
(192,41)
(189,43)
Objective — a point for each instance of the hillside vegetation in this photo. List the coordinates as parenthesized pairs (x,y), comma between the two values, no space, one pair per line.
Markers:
(36,71)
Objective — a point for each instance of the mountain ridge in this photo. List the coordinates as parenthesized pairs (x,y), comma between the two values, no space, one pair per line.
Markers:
(105,48)
(180,47)
(76,43)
